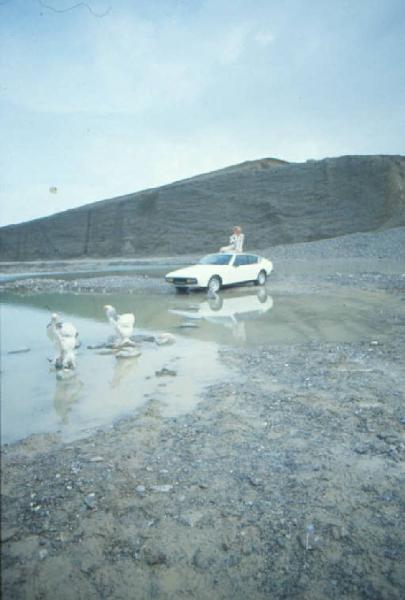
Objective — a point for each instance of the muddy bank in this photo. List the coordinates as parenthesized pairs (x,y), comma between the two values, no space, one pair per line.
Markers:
(285,485)
(286,480)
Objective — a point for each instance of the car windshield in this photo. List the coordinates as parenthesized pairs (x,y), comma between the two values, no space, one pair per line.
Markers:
(215,259)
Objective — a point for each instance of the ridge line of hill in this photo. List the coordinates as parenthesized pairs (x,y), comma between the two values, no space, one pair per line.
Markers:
(276,203)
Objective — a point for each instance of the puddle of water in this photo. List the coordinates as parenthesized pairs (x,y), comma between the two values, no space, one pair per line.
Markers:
(244,316)
(104,389)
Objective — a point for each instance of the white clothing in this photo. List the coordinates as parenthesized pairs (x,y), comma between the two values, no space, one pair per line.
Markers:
(235,243)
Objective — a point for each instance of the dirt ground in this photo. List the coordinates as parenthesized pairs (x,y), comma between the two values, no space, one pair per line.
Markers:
(285,482)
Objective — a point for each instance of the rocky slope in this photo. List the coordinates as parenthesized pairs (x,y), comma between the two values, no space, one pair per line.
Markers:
(275,202)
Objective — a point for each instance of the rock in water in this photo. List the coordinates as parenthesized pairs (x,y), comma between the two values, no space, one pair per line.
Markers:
(163,339)
(188,325)
(128,353)
(165,373)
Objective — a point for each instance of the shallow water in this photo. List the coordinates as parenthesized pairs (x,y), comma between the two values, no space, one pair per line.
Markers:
(156,270)
(103,388)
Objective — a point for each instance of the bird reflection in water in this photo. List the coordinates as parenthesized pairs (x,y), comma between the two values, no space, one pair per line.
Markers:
(67,392)
(123,368)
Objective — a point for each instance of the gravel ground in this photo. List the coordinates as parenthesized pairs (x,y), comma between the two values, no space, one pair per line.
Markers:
(287,481)
(371,259)
(388,243)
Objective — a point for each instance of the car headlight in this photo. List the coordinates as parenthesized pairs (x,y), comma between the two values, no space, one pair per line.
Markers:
(169,279)
(191,280)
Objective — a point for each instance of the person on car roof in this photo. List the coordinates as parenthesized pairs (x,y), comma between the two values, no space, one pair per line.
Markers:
(236,241)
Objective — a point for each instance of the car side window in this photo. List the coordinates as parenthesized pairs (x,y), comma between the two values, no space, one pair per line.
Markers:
(252,260)
(240,260)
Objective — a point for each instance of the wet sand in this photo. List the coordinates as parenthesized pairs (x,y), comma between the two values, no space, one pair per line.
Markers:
(286,481)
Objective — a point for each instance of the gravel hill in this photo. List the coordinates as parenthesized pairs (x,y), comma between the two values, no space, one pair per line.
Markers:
(275,202)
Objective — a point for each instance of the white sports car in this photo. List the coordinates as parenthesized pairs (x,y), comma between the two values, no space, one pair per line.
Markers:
(217,270)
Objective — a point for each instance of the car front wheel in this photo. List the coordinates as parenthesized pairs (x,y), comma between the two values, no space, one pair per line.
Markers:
(261,278)
(214,284)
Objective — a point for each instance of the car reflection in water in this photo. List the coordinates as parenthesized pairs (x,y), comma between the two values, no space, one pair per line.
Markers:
(230,311)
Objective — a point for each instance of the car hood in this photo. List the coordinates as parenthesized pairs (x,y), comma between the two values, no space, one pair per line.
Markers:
(192,271)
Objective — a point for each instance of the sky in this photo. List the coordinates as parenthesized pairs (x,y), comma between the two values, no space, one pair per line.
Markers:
(108,97)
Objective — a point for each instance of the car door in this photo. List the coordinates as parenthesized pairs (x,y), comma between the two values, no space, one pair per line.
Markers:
(225,272)
(253,261)
(241,269)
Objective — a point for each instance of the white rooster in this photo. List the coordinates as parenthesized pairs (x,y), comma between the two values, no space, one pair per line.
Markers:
(64,337)
(123,325)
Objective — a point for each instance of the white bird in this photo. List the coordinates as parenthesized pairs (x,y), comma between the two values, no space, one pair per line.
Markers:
(64,337)
(123,325)
(162,339)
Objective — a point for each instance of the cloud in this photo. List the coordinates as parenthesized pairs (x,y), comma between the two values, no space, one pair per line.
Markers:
(264,38)
(123,64)
(154,92)
(230,45)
